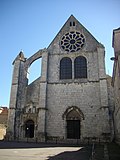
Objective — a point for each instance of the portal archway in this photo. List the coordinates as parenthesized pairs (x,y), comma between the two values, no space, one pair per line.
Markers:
(73,120)
(29,129)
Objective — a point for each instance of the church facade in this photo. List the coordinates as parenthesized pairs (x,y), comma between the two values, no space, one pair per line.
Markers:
(70,100)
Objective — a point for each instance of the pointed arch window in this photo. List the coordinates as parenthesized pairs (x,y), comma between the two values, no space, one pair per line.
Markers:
(80,67)
(65,68)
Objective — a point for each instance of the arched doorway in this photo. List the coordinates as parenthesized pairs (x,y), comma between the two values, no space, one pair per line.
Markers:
(29,129)
(73,125)
(73,120)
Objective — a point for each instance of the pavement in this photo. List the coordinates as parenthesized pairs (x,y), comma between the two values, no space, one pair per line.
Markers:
(47,151)
(42,151)
(113,151)
(107,151)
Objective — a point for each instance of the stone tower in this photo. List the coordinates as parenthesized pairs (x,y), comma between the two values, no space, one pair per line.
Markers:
(16,96)
(69,100)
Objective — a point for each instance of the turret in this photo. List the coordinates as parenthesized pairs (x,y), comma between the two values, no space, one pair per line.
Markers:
(15,95)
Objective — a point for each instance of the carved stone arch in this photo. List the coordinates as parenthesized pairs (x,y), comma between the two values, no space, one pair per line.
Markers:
(73,116)
(38,58)
(34,57)
(74,113)
(30,120)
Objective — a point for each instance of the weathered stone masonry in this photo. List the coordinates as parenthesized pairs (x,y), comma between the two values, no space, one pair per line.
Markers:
(65,102)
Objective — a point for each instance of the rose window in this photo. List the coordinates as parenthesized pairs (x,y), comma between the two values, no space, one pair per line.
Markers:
(72,41)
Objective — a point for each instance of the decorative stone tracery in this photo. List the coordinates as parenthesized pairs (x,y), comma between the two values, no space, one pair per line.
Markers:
(73,112)
(72,41)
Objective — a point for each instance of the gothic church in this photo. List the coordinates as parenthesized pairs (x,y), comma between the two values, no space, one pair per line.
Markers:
(70,100)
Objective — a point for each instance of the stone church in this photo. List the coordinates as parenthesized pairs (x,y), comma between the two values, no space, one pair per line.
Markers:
(71,100)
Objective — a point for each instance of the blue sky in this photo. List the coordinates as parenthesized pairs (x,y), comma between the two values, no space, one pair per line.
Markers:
(30,25)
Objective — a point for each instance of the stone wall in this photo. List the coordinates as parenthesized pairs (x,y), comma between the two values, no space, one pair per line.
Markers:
(116,82)
(3,121)
(2,131)
(86,97)
(90,95)
(53,98)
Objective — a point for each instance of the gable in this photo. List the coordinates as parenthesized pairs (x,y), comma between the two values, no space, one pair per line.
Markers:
(73,37)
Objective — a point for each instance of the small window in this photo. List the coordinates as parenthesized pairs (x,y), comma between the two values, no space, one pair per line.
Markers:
(80,67)
(73,23)
(66,68)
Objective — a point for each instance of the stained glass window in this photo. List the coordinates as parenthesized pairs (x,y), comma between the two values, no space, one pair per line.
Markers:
(72,41)
(66,68)
(80,67)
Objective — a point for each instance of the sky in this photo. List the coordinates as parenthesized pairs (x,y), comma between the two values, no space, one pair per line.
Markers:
(31,25)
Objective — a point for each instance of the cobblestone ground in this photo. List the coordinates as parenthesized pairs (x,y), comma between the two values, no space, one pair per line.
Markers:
(31,151)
